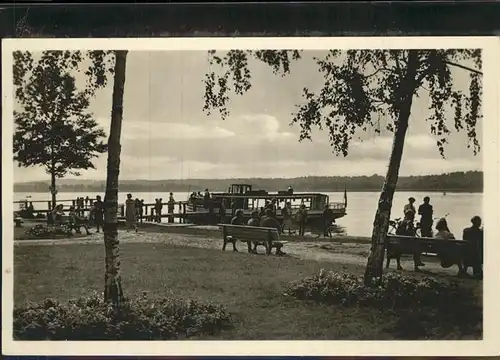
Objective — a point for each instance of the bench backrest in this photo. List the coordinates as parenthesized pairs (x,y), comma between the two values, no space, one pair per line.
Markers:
(254,233)
(427,245)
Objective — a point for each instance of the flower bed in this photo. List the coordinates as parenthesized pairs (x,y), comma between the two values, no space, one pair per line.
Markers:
(421,304)
(90,318)
(42,231)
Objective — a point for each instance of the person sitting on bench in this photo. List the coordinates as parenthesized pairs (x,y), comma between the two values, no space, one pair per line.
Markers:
(76,221)
(58,213)
(269,221)
(447,260)
(254,221)
(238,218)
(407,228)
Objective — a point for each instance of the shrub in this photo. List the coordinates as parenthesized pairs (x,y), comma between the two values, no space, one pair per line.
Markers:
(392,291)
(90,318)
(423,306)
(42,231)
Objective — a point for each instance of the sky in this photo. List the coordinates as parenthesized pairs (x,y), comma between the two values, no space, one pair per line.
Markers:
(166,135)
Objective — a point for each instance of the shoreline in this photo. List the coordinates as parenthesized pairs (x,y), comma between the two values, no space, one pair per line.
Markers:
(377,190)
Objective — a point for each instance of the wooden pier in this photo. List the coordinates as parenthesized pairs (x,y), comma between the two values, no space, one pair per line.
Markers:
(180,212)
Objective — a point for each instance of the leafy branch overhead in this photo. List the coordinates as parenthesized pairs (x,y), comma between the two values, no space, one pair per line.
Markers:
(361,87)
(53,126)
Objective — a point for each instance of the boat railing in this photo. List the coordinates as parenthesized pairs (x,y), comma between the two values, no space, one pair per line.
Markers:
(337,205)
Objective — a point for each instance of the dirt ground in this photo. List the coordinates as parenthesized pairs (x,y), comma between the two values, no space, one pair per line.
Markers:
(336,250)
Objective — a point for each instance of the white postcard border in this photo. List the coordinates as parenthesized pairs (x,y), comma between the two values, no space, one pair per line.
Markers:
(490,149)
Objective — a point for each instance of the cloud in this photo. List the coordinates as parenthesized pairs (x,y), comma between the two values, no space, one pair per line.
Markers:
(185,131)
(420,141)
(376,144)
(260,126)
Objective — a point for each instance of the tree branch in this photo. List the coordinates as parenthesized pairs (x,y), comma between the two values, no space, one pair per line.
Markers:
(380,69)
(463,67)
(398,66)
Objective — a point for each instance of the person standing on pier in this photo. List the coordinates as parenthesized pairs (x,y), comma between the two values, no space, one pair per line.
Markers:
(222,211)
(98,213)
(234,207)
(158,208)
(425,211)
(328,219)
(287,217)
(302,215)
(30,210)
(130,213)
(171,207)
(206,199)
(138,210)
(410,208)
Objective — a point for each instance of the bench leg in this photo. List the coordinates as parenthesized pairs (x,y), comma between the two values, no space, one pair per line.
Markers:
(234,245)
(224,245)
(278,250)
(249,246)
(268,248)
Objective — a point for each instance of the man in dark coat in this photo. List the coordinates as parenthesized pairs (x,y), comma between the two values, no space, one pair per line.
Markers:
(98,213)
(328,218)
(474,251)
(425,211)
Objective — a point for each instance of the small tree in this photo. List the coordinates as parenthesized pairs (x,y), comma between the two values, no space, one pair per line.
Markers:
(112,279)
(359,86)
(53,127)
(63,121)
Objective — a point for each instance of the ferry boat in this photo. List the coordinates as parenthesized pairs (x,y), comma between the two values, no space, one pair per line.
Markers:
(244,197)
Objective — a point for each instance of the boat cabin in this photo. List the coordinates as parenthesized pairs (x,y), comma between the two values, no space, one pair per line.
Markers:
(239,189)
(242,196)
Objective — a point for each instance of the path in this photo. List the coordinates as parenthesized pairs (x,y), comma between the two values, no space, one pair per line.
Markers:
(338,252)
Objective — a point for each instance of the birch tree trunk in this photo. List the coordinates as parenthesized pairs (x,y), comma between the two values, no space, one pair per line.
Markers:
(113,288)
(53,189)
(374,266)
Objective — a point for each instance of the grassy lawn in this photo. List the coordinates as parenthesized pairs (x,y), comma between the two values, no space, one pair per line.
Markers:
(250,286)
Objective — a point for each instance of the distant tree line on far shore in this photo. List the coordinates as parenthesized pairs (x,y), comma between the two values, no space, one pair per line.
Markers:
(470,181)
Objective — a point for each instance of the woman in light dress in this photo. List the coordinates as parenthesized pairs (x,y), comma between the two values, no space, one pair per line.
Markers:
(130,213)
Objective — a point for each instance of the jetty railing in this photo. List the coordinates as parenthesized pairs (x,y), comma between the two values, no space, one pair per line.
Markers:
(180,208)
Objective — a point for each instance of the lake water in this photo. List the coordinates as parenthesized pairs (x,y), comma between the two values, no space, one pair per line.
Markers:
(361,206)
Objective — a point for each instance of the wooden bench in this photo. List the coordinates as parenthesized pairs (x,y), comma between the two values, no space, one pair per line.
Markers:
(258,236)
(64,220)
(451,249)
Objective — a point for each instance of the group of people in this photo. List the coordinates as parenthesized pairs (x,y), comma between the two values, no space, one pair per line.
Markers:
(134,211)
(83,202)
(267,217)
(28,210)
(473,254)
(77,216)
